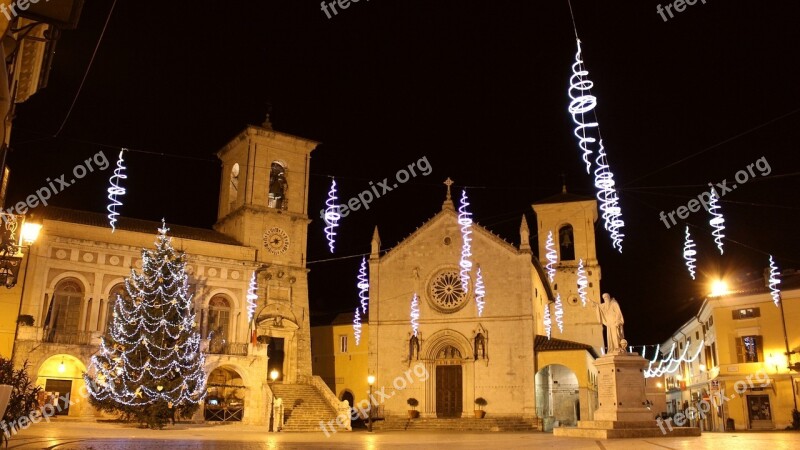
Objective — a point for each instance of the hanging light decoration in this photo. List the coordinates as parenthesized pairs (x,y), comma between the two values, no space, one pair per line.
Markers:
(115,191)
(552,257)
(689,252)
(718,222)
(480,291)
(357,326)
(465,220)
(547,321)
(252,297)
(583,282)
(415,314)
(774,280)
(363,285)
(671,364)
(332,216)
(588,134)
(559,314)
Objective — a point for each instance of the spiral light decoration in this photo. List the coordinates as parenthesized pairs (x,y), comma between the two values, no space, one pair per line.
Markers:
(252,297)
(546,321)
(689,252)
(465,220)
(363,285)
(718,222)
(774,280)
(559,314)
(332,216)
(116,190)
(581,103)
(588,134)
(480,291)
(357,327)
(415,314)
(552,257)
(671,364)
(583,283)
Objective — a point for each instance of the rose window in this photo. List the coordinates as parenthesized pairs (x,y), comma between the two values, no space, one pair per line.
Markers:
(445,291)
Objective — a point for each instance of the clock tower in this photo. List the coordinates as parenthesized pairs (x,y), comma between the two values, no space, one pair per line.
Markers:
(263,204)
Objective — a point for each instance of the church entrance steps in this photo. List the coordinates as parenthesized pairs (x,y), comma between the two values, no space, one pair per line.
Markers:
(304,407)
(399,423)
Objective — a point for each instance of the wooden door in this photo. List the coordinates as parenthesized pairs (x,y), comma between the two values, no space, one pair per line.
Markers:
(448,391)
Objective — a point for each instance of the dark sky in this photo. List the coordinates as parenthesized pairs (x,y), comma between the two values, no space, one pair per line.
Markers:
(477,88)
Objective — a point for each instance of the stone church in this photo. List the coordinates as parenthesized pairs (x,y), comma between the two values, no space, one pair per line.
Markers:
(503,354)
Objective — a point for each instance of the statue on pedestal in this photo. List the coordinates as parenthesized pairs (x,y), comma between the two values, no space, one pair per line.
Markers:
(611,316)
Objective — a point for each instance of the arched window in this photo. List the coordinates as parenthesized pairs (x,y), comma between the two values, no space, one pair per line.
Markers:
(219,317)
(566,241)
(277,186)
(66,310)
(233,192)
(118,290)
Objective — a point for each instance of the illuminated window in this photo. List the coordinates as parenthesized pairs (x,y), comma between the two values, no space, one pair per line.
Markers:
(66,309)
(219,314)
(746,313)
(749,349)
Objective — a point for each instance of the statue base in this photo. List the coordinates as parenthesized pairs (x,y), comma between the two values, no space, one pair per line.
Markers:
(622,411)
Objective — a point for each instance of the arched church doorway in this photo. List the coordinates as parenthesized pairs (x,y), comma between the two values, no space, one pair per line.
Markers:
(61,377)
(557,396)
(449,382)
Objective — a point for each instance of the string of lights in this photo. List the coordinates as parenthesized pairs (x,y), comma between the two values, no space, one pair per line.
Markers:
(465,220)
(689,253)
(332,216)
(115,191)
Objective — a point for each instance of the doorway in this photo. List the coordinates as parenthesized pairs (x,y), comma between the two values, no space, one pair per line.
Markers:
(276,355)
(759,411)
(448,391)
(57,393)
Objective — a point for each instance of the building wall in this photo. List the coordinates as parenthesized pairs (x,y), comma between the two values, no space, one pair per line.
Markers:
(342,371)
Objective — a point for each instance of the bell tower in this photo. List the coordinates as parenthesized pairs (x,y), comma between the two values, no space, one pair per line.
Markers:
(263,204)
(571,218)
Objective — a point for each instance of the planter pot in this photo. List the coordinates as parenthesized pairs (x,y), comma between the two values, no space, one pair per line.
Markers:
(5,394)
(479,413)
(413,414)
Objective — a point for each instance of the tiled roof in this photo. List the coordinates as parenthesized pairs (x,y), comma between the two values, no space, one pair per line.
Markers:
(542,344)
(129,224)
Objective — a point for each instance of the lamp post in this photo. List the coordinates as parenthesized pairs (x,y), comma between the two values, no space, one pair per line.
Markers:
(28,234)
(370,381)
(273,376)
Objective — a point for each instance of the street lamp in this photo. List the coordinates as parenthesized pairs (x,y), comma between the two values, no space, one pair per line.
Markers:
(11,257)
(370,381)
(273,375)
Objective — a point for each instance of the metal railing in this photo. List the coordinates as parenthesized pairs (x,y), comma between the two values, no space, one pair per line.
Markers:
(228,348)
(67,337)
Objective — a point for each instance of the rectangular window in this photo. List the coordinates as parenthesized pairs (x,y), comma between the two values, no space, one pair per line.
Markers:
(713,354)
(746,313)
(697,335)
(710,321)
(749,349)
(342,344)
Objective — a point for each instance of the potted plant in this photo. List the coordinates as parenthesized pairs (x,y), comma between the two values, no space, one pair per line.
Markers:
(413,403)
(480,402)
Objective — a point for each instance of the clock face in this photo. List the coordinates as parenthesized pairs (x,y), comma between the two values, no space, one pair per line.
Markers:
(276,241)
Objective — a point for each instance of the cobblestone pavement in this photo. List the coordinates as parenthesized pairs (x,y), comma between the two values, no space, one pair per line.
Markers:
(103,436)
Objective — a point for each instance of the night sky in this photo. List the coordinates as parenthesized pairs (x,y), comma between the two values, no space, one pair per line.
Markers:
(478,89)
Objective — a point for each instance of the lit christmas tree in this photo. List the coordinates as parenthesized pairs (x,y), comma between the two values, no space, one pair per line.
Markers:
(150,367)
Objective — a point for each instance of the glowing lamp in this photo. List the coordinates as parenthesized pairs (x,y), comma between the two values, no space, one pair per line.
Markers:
(61,367)
(719,288)
(659,385)
(274,375)
(30,231)
(702,367)
(371,380)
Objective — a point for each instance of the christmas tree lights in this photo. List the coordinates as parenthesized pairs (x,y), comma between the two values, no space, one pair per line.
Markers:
(559,314)
(552,257)
(465,220)
(588,133)
(149,365)
(774,280)
(115,191)
(717,221)
(332,216)
(480,291)
(583,283)
(357,326)
(363,285)
(546,321)
(252,297)
(689,252)
(415,314)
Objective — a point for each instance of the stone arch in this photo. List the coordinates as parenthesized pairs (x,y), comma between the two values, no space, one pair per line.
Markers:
(87,285)
(239,370)
(229,396)
(232,298)
(444,338)
(60,374)
(557,395)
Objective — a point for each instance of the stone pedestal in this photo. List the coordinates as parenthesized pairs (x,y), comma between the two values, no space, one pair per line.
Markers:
(622,411)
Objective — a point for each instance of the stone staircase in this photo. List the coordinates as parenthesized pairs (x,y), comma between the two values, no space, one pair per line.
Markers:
(398,423)
(304,407)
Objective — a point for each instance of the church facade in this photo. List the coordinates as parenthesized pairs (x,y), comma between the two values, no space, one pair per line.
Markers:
(496,347)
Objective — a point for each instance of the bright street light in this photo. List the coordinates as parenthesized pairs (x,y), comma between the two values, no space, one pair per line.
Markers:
(719,288)
(29,233)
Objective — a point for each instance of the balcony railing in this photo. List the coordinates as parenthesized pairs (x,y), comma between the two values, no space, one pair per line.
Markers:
(67,337)
(228,348)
